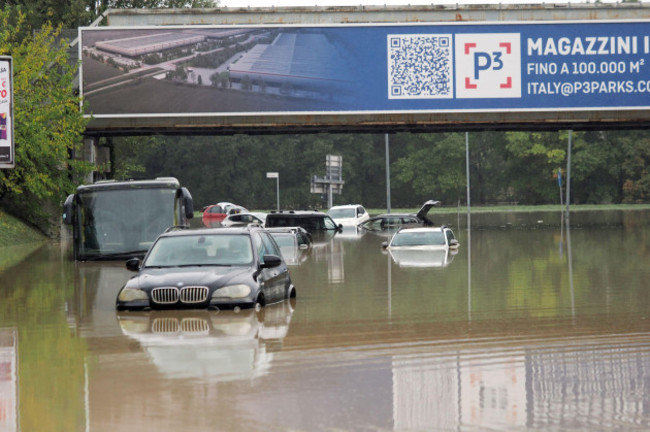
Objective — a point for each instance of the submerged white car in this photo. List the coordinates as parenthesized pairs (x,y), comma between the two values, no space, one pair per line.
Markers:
(423,238)
(349,215)
(423,247)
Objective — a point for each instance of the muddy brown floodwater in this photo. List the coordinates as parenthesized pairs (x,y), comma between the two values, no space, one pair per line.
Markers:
(531,325)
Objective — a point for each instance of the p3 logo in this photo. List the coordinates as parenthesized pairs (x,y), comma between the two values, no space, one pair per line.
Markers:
(488,65)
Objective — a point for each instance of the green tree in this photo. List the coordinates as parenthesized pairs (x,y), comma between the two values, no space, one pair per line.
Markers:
(531,160)
(99,6)
(48,124)
(37,13)
(433,168)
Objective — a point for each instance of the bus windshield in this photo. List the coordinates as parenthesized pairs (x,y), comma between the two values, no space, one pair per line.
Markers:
(122,221)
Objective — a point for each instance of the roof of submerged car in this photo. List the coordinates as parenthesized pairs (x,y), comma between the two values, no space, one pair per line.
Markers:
(420,229)
(296,212)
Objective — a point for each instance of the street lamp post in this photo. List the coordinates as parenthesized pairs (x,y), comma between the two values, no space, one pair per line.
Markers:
(276,176)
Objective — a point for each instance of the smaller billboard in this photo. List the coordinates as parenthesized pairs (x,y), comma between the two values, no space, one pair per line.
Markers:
(7,153)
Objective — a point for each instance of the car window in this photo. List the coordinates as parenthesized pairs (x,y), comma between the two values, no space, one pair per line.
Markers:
(215,209)
(394,221)
(283,239)
(328,223)
(269,244)
(259,245)
(302,239)
(373,224)
(341,213)
(450,235)
(279,221)
(430,238)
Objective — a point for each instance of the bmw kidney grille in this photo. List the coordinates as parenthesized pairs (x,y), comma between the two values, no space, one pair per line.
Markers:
(187,295)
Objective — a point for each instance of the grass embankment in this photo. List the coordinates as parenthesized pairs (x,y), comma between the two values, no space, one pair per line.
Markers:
(13,231)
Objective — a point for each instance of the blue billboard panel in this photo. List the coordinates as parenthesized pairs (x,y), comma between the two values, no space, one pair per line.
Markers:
(418,68)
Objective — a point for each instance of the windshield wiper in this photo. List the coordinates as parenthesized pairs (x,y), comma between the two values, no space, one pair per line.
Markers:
(116,256)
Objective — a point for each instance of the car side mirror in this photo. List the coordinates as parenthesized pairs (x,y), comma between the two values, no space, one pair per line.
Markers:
(384,244)
(133,264)
(453,243)
(339,228)
(188,203)
(67,210)
(271,261)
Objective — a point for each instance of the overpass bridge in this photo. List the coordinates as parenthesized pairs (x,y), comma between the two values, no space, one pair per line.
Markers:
(373,69)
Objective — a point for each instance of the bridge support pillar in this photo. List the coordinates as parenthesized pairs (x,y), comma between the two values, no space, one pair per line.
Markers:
(98,155)
(90,144)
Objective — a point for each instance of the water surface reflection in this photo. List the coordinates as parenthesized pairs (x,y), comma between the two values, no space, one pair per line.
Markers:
(526,328)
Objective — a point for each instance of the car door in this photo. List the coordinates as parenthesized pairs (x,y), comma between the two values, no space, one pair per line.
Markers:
(274,278)
(422,213)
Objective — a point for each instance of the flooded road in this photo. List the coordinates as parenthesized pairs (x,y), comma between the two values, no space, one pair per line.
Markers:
(530,326)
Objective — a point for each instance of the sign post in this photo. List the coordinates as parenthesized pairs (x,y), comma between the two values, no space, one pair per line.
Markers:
(7,149)
(276,176)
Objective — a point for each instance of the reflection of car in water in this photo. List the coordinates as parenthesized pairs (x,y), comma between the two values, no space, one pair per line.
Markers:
(351,233)
(295,243)
(208,268)
(423,247)
(391,221)
(422,258)
(210,345)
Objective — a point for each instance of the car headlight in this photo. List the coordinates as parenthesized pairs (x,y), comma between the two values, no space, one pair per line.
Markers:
(232,291)
(131,294)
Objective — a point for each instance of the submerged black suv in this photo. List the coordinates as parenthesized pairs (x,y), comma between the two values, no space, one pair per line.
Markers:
(208,269)
(310,220)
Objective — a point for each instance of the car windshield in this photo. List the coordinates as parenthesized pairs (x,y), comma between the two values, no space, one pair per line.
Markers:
(342,213)
(123,220)
(187,250)
(429,238)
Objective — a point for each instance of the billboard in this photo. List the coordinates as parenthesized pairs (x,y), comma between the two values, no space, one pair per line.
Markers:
(504,67)
(7,149)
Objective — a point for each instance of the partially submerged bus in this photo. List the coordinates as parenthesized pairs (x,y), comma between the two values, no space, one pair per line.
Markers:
(121,219)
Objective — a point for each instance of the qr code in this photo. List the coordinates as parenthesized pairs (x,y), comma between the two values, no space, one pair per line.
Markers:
(420,66)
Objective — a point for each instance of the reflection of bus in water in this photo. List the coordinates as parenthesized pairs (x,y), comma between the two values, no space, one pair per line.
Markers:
(118,220)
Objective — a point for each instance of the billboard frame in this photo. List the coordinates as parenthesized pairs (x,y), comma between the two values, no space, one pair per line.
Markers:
(374,121)
(7,150)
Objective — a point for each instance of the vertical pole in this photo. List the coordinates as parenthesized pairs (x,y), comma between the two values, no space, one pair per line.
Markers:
(469,233)
(559,183)
(387,177)
(467,167)
(568,175)
(329,194)
(277,190)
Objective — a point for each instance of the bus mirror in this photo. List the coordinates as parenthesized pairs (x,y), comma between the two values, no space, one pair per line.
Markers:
(67,210)
(188,204)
